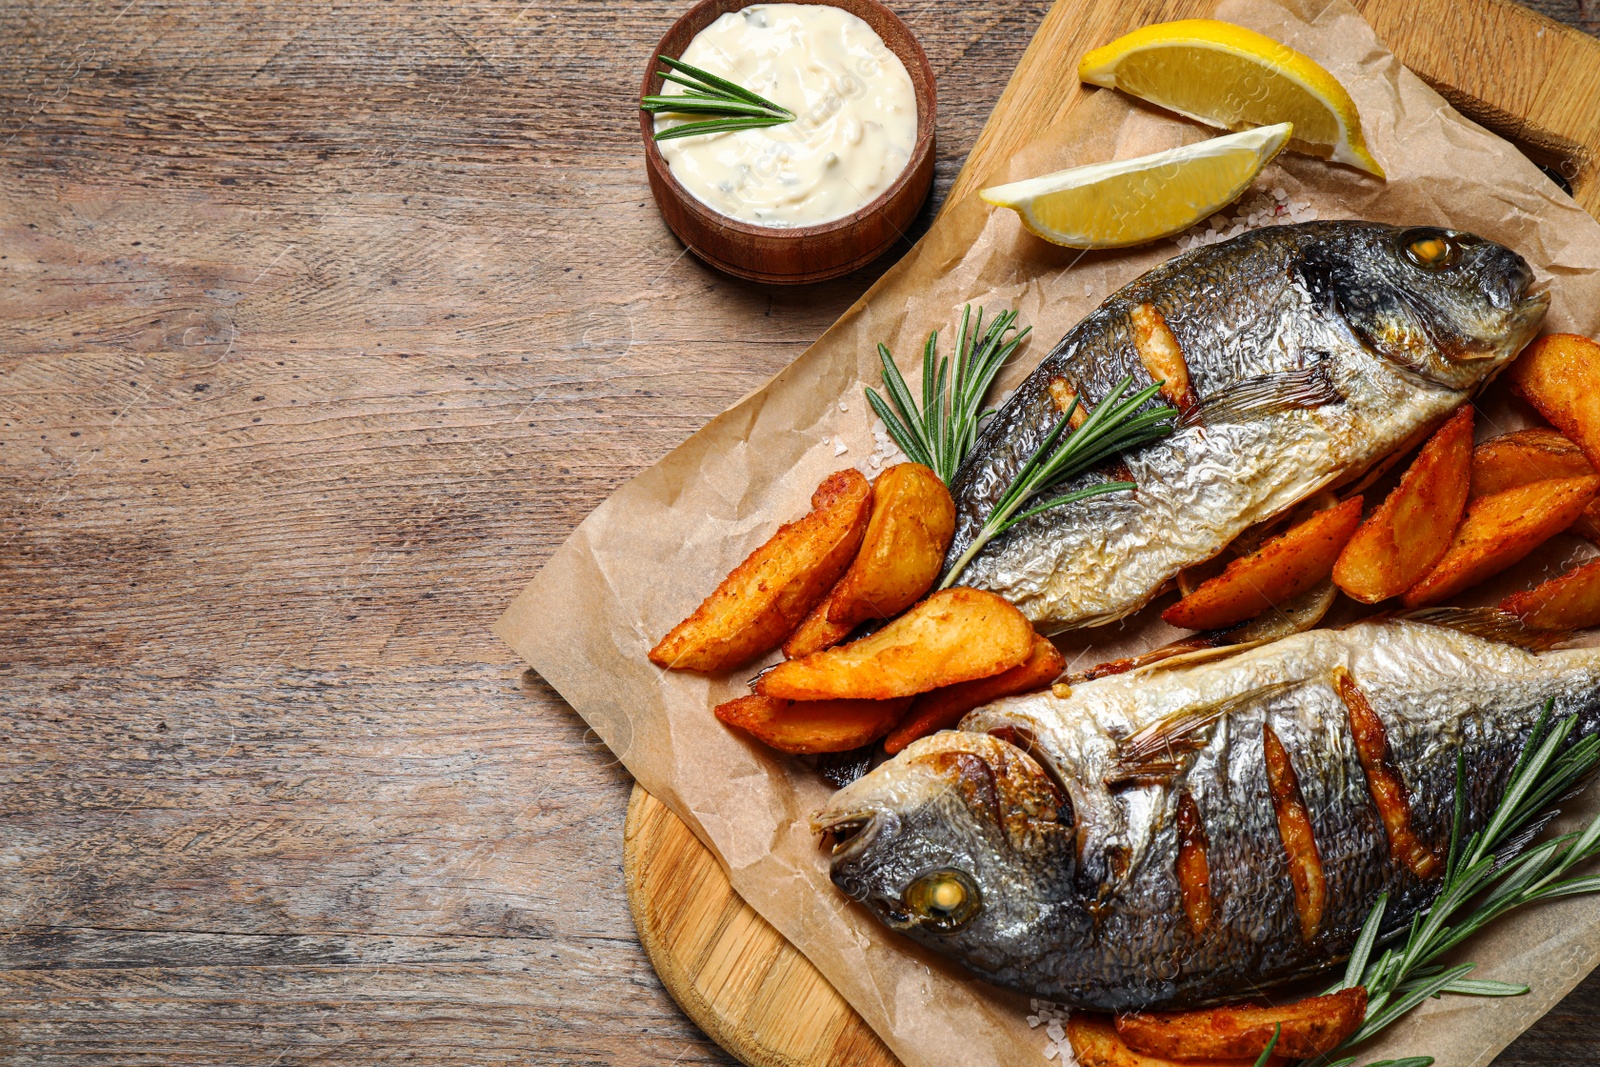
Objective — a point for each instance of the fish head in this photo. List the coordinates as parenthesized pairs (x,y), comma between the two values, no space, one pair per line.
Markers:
(1449,306)
(963,843)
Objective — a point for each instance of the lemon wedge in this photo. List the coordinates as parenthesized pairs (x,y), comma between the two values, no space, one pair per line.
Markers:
(1225,75)
(1130,201)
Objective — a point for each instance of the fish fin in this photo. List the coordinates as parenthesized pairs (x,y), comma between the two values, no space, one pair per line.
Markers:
(1191,657)
(1492,624)
(1268,394)
(1199,648)
(1155,753)
(1204,642)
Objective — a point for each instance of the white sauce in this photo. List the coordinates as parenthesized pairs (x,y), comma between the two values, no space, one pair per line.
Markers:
(857,119)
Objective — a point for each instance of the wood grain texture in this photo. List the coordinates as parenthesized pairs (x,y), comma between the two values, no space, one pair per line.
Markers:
(320,327)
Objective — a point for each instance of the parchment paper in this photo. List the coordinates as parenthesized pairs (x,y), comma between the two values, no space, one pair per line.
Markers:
(645,558)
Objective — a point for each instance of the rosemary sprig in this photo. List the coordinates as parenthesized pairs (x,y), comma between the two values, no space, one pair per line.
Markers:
(1480,886)
(939,434)
(733,106)
(1114,426)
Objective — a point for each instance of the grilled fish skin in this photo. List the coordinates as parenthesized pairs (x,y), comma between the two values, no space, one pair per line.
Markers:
(1058,822)
(1395,344)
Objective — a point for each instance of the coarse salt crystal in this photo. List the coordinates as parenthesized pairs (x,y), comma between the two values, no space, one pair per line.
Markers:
(843,406)
(1033,1022)
(1280,193)
(1055,1031)
(1051,1050)
(839,447)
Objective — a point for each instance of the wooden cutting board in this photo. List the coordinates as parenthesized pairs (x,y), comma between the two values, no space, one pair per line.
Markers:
(1529,79)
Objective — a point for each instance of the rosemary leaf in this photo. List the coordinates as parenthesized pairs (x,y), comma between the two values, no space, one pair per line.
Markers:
(691,104)
(1363,948)
(1069,498)
(1483,987)
(728,88)
(941,431)
(691,129)
(735,107)
(1412,998)
(902,435)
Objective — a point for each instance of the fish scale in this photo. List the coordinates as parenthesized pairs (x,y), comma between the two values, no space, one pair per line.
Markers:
(1400,345)
(1088,910)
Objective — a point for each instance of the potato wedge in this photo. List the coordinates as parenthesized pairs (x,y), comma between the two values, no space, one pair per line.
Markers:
(955,635)
(1560,376)
(813,725)
(1533,455)
(1405,535)
(1096,1043)
(1311,1027)
(1499,530)
(1536,454)
(943,708)
(913,520)
(767,595)
(815,633)
(1569,601)
(1284,567)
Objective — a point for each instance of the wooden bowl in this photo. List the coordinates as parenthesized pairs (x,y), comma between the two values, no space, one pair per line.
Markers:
(796,254)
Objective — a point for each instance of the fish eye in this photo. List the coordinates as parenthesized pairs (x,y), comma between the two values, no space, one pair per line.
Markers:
(1431,249)
(944,899)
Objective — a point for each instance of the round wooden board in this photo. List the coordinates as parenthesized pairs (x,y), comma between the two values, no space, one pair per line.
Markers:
(736,977)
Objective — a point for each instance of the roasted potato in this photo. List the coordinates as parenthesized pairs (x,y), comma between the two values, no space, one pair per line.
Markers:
(1569,601)
(1536,454)
(767,595)
(943,708)
(913,519)
(813,725)
(1311,1027)
(1533,455)
(1560,375)
(1293,616)
(1375,473)
(1499,530)
(1284,567)
(1096,1043)
(815,633)
(1410,530)
(955,635)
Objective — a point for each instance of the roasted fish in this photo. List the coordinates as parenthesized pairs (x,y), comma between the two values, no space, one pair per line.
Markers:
(1172,838)
(1296,356)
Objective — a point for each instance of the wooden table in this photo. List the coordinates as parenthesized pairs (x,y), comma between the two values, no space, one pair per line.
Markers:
(320,327)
